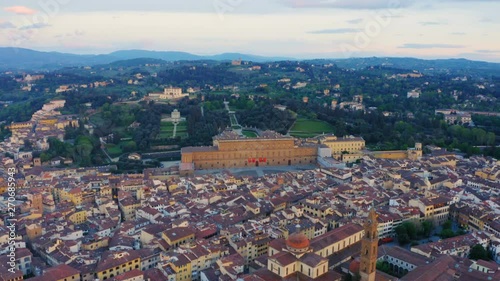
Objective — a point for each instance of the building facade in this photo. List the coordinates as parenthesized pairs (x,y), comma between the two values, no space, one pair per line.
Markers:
(369,247)
(230,150)
(347,144)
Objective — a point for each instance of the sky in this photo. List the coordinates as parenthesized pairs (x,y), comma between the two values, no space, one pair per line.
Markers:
(287,28)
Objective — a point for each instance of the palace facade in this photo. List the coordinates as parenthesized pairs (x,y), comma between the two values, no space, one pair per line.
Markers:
(231,150)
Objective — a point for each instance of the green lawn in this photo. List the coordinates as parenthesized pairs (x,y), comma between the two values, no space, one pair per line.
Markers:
(181,127)
(249,134)
(165,126)
(305,128)
(113,150)
(97,119)
(167,130)
(233,119)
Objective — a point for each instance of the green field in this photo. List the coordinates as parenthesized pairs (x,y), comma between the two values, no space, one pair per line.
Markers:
(249,134)
(99,121)
(113,150)
(167,130)
(234,122)
(306,128)
(182,130)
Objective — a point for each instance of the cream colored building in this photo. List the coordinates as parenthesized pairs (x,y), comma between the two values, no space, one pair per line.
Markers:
(169,93)
(433,208)
(349,144)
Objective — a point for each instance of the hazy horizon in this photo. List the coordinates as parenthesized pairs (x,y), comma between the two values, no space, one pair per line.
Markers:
(301,29)
(311,57)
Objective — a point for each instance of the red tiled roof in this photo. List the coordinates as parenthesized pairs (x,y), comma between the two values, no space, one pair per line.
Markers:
(298,241)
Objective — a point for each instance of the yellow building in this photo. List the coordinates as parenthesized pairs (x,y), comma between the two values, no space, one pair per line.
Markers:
(75,195)
(47,122)
(312,208)
(296,257)
(78,217)
(433,208)
(178,236)
(476,221)
(128,206)
(64,121)
(33,231)
(415,153)
(62,272)
(92,245)
(230,150)
(351,158)
(489,173)
(21,125)
(411,153)
(178,268)
(3,185)
(251,248)
(342,145)
(116,263)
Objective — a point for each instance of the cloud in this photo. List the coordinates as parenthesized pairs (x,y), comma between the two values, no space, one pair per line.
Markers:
(336,31)
(348,4)
(488,51)
(458,33)
(76,33)
(34,26)
(6,24)
(485,19)
(426,23)
(20,10)
(430,46)
(79,32)
(355,21)
(372,4)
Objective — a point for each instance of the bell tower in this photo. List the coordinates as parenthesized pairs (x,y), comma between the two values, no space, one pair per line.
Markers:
(369,247)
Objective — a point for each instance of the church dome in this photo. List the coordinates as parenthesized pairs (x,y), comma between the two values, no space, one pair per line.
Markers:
(297,241)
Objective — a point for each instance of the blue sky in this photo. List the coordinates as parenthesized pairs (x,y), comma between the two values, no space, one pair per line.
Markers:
(294,28)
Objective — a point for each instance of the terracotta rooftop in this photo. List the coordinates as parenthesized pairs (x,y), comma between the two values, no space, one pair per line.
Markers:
(298,241)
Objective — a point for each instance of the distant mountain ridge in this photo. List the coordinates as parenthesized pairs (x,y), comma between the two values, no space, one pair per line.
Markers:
(20,58)
(455,66)
(26,59)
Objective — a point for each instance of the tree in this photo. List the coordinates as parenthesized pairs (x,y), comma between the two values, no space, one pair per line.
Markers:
(402,235)
(383,266)
(411,229)
(427,227)
(28,145)
(129,146)
(478,252)
(348,277)
(447,224)
(406,232)
(44,157)
(83,149)
(447,233)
